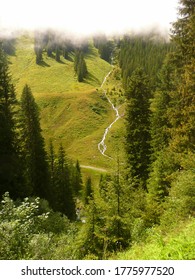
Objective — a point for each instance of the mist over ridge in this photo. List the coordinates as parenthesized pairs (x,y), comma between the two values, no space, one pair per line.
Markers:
(78,19)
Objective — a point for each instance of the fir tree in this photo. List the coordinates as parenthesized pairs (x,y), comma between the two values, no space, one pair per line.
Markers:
(65,52)
(51,160)
(177,113)
(10,165)
(80,66)
(57,56)
(88,194)
(160,103)
(34,154)
(63,200)
(181,110)
(113,211)
(49,46)
(38,47)
(90,244)
(77,179)
(137,127)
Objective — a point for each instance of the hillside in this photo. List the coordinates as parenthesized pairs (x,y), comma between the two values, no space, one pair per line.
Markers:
(72,113)
(175,244)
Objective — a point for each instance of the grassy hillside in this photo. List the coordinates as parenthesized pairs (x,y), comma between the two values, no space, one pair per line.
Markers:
(72,113)
(175,244)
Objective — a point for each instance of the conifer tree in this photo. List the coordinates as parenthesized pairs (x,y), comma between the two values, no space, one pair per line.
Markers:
(88,194)
(77,179)
(65,52)
(10,165)
(113,208)
(138,127)
(63,200)
(38,47)
(89,241)
(177,113)
(49,46)
(51,160)
(34,154)
(182,107)
(160,103)
(76,61)
(57,56)
(80,66)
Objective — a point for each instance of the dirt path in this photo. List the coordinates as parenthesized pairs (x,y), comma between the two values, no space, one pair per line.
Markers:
(94,168)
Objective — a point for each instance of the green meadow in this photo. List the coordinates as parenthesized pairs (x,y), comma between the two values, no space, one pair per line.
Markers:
(73,113)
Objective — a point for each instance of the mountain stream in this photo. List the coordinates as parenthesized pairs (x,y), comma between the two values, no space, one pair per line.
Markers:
(102,146)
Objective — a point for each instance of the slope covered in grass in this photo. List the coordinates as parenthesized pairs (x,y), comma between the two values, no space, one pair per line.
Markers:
(72,113)
(177,244)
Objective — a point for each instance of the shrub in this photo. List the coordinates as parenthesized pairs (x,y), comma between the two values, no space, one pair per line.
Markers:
(18,224)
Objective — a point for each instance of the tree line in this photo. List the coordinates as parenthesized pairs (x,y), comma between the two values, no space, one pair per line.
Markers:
(26,168)
(145,51)
(160,132)
(55,45)
(156,186)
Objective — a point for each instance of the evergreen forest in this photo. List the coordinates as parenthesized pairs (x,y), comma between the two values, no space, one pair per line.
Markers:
(63,199)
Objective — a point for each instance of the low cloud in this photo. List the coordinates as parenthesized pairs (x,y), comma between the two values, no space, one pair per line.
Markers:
(87,17)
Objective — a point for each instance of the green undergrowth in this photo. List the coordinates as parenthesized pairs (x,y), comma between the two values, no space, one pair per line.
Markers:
(177,244)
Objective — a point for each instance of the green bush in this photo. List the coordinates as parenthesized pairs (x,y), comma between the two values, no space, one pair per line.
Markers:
(181,201)
(18,224)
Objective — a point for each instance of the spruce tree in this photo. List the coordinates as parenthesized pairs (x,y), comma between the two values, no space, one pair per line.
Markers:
(77,179)
(49,46)
(176,113)
(181,111)
(34,154)
(138,127)
(113,209)
(80,66)
(90,244)
(159,106)
(38,47)
(57,56)
(63,199)
(51,160)
(88,193)
(10,164)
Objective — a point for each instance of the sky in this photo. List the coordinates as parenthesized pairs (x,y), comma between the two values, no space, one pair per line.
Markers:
(84,17)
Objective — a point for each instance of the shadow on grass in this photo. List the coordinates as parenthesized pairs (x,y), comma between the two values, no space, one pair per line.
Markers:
(43,64)
(91,53)
(53,56)
(60,61)
(91,79)
(69,59)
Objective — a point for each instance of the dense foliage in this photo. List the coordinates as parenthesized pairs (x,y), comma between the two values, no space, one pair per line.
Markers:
(145,51)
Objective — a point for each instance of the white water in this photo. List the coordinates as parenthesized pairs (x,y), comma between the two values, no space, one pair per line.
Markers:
(102,146)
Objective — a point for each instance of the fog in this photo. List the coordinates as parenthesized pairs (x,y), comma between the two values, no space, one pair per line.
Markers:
(87,17)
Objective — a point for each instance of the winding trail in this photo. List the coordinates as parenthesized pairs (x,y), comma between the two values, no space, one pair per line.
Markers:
(102,146)
(93,168)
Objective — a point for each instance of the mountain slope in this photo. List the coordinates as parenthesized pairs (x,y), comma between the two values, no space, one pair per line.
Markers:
(72,113)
